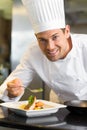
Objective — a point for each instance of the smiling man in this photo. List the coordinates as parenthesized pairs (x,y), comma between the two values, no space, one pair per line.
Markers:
(54,43)
(58,56)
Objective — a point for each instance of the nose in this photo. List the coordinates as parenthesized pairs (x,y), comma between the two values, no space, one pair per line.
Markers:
(50,45)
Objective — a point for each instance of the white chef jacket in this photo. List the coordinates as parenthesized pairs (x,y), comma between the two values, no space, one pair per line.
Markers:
(67,77)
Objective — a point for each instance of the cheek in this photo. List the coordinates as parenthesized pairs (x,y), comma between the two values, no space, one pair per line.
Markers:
(63,41)
(60,43)
(42,47)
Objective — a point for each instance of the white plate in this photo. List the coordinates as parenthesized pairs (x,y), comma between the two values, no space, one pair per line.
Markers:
(14,106)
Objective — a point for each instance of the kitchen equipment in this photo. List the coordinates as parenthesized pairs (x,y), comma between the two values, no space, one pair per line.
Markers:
(77,106)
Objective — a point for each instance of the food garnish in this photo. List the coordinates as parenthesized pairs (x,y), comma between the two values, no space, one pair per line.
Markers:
(33,104)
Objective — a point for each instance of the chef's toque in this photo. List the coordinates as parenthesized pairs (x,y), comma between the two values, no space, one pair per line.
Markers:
(45,14)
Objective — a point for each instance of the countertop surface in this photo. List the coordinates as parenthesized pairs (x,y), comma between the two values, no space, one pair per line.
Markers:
(61,120)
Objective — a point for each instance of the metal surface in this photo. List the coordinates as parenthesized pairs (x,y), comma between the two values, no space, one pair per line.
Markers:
(77,106)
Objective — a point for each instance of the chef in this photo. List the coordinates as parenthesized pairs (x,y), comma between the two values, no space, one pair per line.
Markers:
(58,56)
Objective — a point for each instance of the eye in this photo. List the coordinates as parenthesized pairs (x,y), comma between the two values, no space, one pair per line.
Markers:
(42,41)
(55,37)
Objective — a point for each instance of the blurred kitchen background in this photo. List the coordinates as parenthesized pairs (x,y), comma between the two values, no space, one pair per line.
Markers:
(16,34)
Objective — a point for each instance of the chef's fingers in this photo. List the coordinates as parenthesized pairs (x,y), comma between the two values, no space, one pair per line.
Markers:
(15,91)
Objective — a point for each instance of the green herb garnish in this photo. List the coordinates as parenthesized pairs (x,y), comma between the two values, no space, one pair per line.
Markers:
(31,99)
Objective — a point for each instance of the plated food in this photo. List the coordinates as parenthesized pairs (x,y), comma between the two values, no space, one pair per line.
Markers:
(34,104)
(33,107)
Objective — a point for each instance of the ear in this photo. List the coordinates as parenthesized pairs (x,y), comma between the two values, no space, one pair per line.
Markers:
(67,31)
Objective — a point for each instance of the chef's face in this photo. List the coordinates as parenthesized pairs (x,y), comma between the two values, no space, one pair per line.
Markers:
(54,43)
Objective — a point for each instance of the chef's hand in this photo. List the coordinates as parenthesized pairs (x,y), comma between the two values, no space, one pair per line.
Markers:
(15,88)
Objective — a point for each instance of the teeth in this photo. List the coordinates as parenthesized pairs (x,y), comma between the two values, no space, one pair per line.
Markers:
(53,52)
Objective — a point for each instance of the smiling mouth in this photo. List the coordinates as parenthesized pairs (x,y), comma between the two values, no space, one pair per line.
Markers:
(53,53)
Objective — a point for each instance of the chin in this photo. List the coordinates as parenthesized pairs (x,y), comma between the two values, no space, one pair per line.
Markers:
(52,59)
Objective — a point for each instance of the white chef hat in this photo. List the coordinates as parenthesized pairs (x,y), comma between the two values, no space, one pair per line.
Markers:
(45,14)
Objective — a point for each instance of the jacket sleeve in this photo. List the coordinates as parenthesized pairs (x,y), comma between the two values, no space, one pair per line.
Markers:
(24,71)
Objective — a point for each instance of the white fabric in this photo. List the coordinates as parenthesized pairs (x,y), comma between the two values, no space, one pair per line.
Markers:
(67,77)
(45,14)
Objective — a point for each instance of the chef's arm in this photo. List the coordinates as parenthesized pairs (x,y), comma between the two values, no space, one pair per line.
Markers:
(12,90)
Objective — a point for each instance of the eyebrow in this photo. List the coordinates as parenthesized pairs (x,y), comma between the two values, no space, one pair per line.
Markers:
(50,36)
(54,34)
